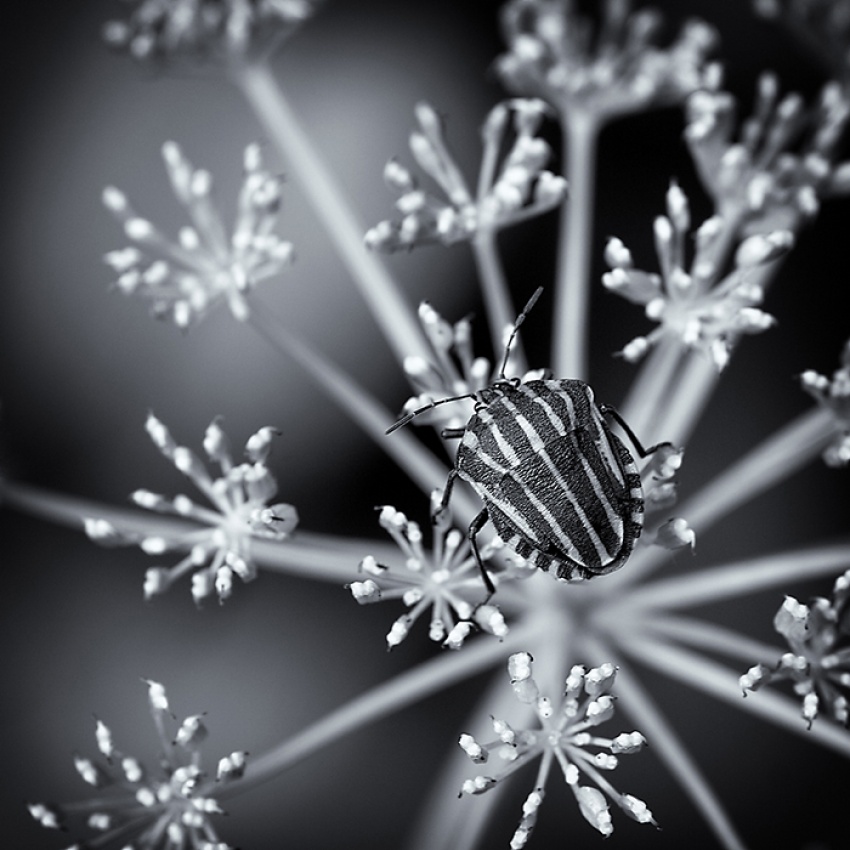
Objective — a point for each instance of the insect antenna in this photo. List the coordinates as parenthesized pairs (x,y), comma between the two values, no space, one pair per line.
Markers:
(519,320)
(414,413)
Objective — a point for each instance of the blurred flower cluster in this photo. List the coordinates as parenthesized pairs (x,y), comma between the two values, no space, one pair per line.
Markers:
(552,477)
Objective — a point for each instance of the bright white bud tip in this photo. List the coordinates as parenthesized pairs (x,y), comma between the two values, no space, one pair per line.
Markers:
(504,731)
(458,634)
(628,742)
(636,349)
(101,531)
(156,695)
(191,732)
(636,808)
(519,666)
(45,815)
(398,632)
(600,710)
(599,679)
(87,770)
(592,804)
(617,255)
(754,678)
(232,766)
(103,736)
(760,248)
(792,620)
(365,591)
(491,619)
(473,749)
(478,785)
(675,534)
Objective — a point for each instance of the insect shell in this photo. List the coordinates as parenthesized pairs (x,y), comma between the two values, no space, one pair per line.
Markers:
(560,488)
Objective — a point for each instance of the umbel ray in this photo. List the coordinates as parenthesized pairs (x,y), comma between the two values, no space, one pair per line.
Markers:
(560,488)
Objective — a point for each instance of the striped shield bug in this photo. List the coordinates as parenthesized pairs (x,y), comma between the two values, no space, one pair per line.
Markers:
(560,488)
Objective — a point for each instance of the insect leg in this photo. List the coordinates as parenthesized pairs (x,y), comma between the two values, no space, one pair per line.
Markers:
(472,533)
(447,494)
(607,410)
(452,433)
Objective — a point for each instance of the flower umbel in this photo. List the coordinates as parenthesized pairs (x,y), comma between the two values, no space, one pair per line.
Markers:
(163,810)
(697,306)
(819,662)
(183,279)
(564,737)
(834,395)
(553,53)
(447,580)
(520,189)
(232,29)
(774,173)
(222,547)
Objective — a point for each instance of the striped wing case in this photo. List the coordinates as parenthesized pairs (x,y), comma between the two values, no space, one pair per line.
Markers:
(559,487)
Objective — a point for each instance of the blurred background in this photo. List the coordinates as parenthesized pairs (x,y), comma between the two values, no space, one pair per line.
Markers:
(80,367)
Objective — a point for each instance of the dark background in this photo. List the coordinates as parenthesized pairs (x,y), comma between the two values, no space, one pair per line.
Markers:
(80,367)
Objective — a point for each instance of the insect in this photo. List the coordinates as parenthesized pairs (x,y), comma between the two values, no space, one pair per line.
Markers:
(560,488)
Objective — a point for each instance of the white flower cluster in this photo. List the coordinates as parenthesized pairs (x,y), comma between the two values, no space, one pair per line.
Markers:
(165,810)
(183,279)
(564,736)
(220,546)
(520,189)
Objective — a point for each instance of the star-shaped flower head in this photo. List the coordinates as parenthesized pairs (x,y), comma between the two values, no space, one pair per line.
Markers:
(220,547)
(185,278)
(775,171)
(554,53)
(819,661)
(822,25)
(694,302)
(512,186)
(565,735)
(165,809)
(231,30)
(834,395)
(446,580)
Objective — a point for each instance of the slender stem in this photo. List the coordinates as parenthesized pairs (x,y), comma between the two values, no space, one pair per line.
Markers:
(703,635)
(575,246)
(444,822)
(429,677)
(651,387)
(411,456)
(316,556)
(686,399)
(772,461)
(698,672)
(387,304)
(663,740)
(734,580)
(497,298)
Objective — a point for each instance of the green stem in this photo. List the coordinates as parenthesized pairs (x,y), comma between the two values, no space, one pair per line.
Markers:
(428,678)
(575,246)
(663,740)
(386,302)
